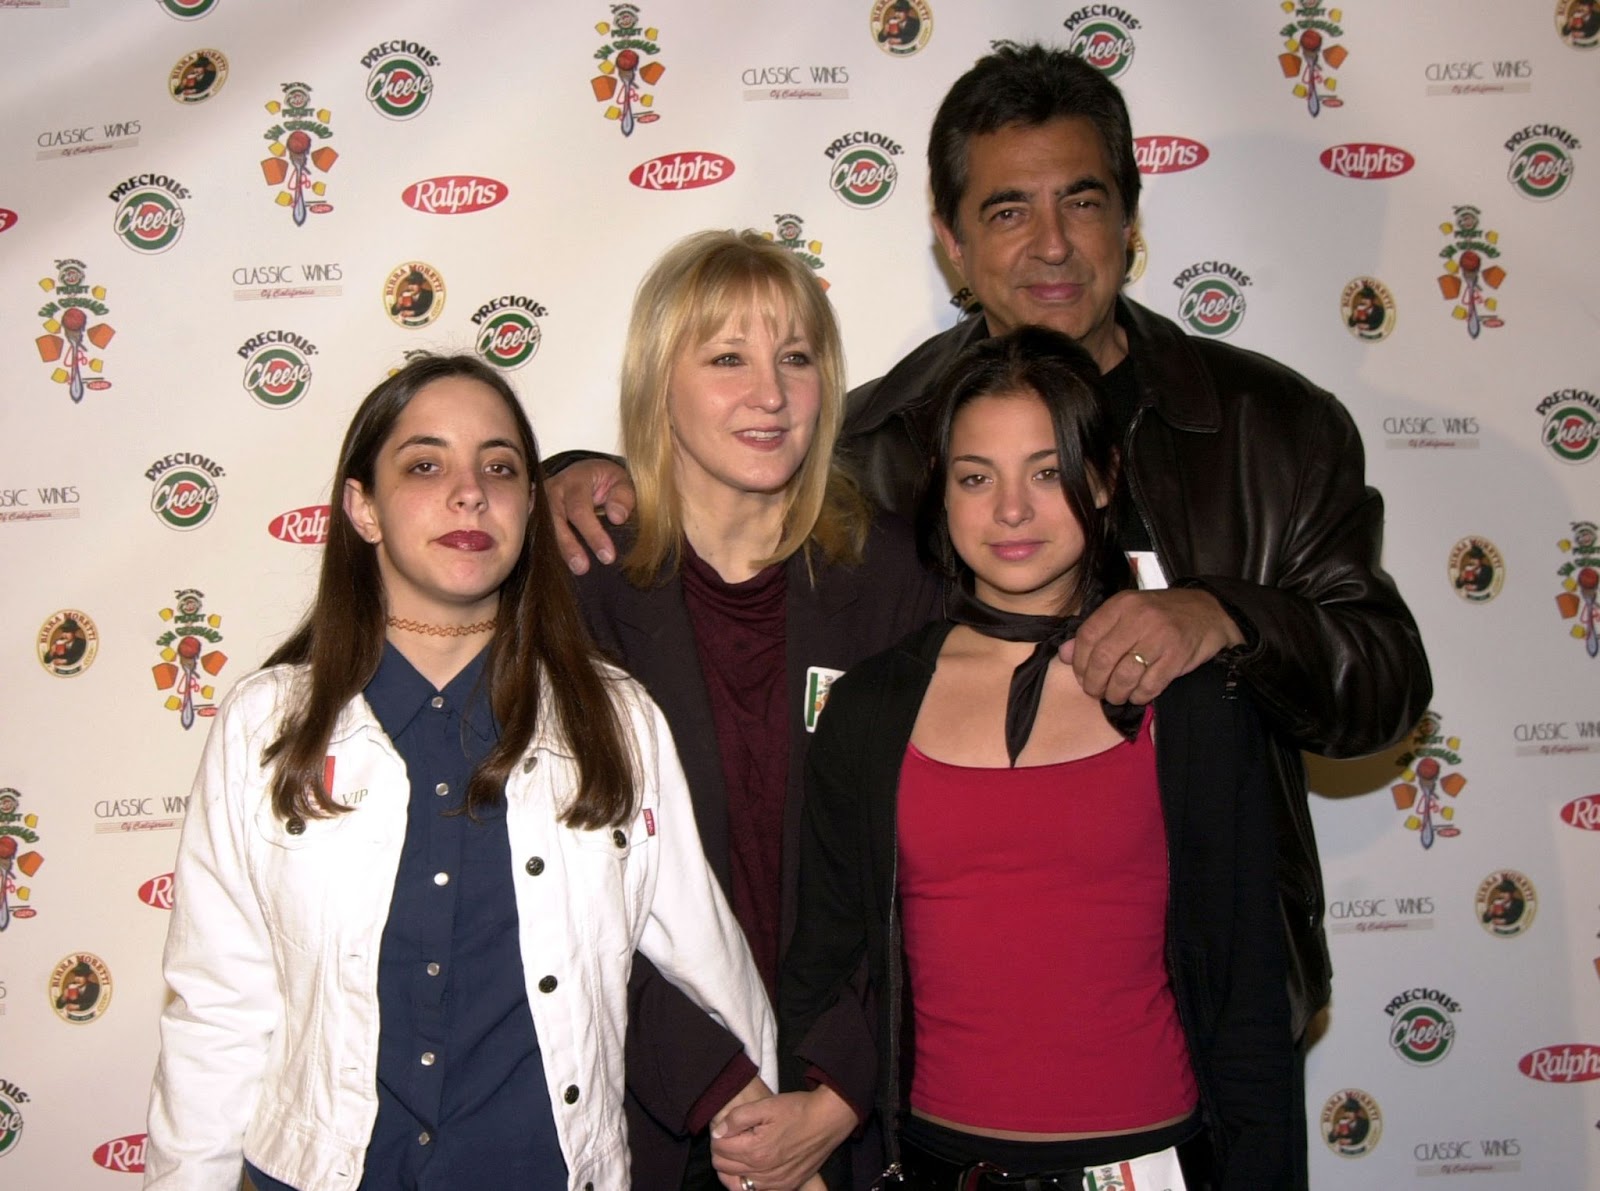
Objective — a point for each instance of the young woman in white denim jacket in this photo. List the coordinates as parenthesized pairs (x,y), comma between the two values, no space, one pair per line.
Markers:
(440,548)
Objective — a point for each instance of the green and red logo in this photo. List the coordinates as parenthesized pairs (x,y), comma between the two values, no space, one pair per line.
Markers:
(149,217)
(277,369)
(862,171)
(296,157)
(1311,53)
(629,68)
(1212,301)
(1468,274)
(1422,1028)
(71,339)
(401,80)
(508,330)
(1102,35)
(185,493)
(1571,424)
(790,232)
(12,1098)
(20,860)
(186,661)
(1430,781)
(188,10)
(1541,161)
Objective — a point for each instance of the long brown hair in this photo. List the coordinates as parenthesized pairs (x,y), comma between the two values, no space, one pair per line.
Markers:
(540,642)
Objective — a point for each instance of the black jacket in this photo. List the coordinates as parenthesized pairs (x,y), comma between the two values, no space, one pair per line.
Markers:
(675,1051)
(1224,948)
(1250,482)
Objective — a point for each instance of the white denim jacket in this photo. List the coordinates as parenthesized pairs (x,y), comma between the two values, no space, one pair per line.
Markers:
(269,1043)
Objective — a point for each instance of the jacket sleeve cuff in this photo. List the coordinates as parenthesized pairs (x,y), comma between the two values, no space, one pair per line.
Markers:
(739,1071)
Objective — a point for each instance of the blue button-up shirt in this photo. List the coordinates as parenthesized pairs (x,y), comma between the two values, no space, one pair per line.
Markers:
(462,1099)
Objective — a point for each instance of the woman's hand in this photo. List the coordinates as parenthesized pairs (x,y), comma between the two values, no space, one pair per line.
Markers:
(780,1142)
(574,494)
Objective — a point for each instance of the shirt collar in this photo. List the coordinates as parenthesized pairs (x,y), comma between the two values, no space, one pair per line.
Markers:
(398,692)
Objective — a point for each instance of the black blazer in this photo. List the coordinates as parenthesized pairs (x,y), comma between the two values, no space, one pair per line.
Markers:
(675,1052)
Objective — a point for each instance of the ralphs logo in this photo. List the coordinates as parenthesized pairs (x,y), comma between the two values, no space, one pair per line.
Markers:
(157,892)
(1102,35)
(461,195)
(277,370)
(148,217)
(1168,154)
(1541,160)
(125,1155)
(1583,813)
(1572,1062)
(508,330)
(302,527)
(682,171)
(1213,298)
(862,172)
(1366,162)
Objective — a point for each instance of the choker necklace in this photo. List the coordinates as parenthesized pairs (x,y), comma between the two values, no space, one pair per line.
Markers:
(441,630)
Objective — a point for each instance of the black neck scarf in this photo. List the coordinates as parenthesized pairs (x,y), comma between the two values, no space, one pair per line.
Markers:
(1049,634)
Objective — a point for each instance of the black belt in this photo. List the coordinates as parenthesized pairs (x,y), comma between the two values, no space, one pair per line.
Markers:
(923,1171)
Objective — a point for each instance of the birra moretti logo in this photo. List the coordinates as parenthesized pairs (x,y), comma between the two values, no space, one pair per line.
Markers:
(508,330)
(149,217)
(1571,424)
(1422,1029)
(185,493)
(862,171)
(1573,1062)
(1102,35)
(1541,160)
(1213,298)
(401,82)
(277,369)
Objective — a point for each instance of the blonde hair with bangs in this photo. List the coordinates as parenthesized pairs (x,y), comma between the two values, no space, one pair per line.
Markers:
(699,285)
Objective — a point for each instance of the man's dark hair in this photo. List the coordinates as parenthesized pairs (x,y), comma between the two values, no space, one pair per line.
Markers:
(1030,85)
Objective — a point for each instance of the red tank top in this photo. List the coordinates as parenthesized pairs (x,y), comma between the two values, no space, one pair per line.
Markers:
(1035,903)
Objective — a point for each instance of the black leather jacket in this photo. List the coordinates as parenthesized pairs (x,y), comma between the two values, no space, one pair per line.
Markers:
(1250,481)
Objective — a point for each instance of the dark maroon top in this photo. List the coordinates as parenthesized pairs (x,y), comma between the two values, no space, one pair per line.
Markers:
(739,636)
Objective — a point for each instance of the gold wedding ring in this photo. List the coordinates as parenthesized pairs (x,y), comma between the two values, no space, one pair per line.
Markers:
(1138,657)
(746,1183)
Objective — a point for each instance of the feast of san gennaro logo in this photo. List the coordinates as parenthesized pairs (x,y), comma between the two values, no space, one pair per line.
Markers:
(197,76)
(861,168)
(508,330)
(188,658)
(1571,1062)
(1578,23)
(149,217)
(20,859)
(1430,774)
(188,10)
(1542,160)
(185,493)
(80,988)
(1168,154)
(1422,1026)
(1351,1123)
(1476,570)
(1102,35)
(68,332)
(1465,275)
(413,294)
(789,231)
(303,527)
(1580,578)
(1311,54)
(68,643)
(400,84)
(277,367)
(157,892)
(297,158)
(1505,903)
(629,67)
(1571,428)
(1367,307)
(901,28)
(1212,298)
(12,1098)
(461,194)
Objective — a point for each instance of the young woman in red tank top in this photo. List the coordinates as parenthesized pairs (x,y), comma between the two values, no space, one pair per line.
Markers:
(1066,907)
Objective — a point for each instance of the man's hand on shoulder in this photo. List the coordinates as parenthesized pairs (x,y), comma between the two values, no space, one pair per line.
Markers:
(576,493)
(1137,642)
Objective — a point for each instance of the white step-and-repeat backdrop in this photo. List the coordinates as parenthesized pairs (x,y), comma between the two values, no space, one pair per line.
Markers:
(221,221)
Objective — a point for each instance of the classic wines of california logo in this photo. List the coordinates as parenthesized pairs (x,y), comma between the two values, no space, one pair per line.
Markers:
(1571,424)
(789,232)
(630,68)
(1505,903)
(901,27)
(1477,572)
(1212,301)
(1430,768)
(277,367)
(1311,53)
(68,332)
(20,859)
(80,988)
(185,654)
(197,76)
(401,82)
(185,493)
(508,330)
(1102,35)
(1541,160)
(1368,309)
(1580,577)
(1465,276)
(861,168)
(293,158)
(1351,1123)
(413,294)
(68,643)
(1422,1027)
